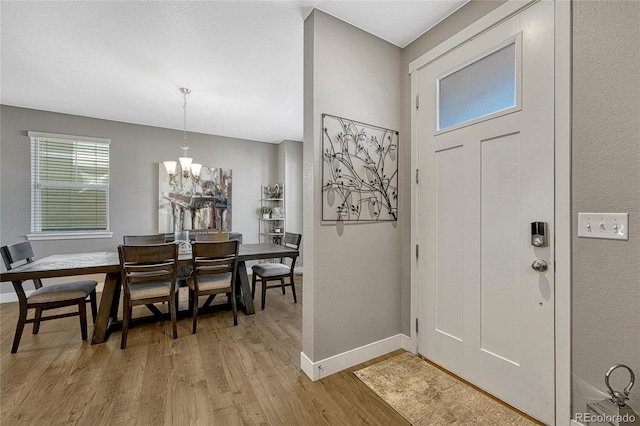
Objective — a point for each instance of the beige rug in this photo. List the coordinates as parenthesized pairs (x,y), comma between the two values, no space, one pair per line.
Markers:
(425,395)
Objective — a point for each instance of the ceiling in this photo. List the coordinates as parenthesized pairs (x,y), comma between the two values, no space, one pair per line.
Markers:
(125,61)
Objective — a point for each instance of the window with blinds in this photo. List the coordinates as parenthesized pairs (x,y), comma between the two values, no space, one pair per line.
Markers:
(69,184)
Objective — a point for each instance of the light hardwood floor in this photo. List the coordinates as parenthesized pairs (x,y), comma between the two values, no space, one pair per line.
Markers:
(223,375)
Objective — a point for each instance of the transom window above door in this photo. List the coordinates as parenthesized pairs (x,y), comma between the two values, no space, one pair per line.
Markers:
(482,89)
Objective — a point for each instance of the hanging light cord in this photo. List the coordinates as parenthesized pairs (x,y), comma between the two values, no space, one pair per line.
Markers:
(185,92)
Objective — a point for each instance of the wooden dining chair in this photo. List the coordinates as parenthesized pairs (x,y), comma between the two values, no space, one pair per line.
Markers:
(266,272)
(148,276)
(212,236)
(47,297)
(214,272)
(184,272)
(141,240)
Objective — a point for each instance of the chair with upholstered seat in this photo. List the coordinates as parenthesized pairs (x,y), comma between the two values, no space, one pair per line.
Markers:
(201,236)
(47,297)
(214,272)
(184,272)
(265,272)
(143,240)
(149,274)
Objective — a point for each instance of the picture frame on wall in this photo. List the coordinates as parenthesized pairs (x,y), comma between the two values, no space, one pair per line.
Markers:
(194,202)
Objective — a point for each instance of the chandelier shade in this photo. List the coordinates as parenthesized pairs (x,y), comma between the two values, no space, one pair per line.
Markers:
(171,167)
(195,169)
(185,163)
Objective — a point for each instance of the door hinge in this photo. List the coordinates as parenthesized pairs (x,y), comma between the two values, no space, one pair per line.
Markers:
(417,101)
(417,250)
(416,325)
(417,175)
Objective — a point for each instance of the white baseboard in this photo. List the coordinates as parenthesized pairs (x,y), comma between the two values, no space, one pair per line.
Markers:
(409,344)
(307,366)
(323,368)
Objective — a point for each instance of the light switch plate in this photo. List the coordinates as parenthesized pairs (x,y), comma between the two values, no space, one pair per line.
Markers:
(610,226)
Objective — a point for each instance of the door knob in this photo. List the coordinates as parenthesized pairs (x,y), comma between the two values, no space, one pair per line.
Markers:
(539,265)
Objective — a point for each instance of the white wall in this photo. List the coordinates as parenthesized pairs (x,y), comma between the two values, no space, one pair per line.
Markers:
(135,153)
(291,162)
(290,173)
(352,272)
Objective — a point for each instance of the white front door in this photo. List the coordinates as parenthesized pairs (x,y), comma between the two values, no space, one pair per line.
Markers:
(486,157)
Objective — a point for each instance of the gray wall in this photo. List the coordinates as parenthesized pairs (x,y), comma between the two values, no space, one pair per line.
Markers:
(606,178)
(353,280)
(135,153)
(309,197)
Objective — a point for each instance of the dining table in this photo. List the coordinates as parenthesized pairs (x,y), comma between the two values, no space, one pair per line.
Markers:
(74,264)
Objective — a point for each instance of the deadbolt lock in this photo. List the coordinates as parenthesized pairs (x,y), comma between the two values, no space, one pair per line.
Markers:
(539,234)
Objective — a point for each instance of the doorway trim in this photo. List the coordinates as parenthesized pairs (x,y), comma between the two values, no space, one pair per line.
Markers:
(562,82)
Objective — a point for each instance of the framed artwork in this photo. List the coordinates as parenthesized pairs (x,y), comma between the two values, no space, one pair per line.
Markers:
(189,202)
(277,213)
(359,171)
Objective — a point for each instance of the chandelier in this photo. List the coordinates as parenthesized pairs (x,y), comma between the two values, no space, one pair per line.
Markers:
(186,164)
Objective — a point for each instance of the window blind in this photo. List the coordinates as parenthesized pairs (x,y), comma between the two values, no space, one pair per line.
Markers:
(70,183)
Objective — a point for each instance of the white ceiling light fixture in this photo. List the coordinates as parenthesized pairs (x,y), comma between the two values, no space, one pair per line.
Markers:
(186,162)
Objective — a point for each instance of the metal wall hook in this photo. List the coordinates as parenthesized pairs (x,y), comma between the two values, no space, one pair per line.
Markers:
(618,397)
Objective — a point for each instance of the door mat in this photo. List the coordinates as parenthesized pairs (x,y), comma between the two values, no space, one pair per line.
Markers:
(425,395)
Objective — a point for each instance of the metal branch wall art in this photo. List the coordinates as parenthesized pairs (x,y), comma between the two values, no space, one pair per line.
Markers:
(359,171)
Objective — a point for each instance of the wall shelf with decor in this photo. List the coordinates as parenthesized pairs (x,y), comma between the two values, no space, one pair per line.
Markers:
(272,220)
